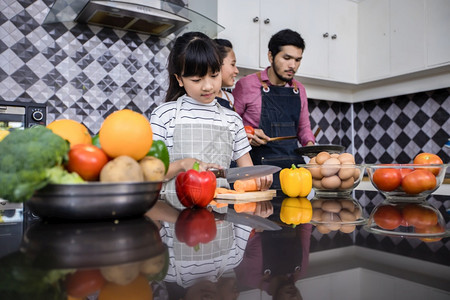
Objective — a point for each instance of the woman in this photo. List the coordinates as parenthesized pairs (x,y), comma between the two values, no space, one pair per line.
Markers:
(229,72)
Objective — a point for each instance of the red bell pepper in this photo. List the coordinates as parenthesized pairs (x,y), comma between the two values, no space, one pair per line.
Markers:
(195,188)
(195,226)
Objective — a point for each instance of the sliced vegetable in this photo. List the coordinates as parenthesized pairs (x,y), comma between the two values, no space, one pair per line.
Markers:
(248,207)
(248,185)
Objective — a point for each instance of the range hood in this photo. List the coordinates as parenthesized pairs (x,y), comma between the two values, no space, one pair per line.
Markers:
(153,17)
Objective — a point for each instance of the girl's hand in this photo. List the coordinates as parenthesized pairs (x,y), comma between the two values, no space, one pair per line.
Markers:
(263,183)
(203,166)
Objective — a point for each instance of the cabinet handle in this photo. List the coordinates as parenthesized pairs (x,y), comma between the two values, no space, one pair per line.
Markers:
(325,35)
(334,36)
(255,20)
(266,21)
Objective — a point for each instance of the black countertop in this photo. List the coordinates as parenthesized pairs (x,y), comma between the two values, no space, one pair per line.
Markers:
(38,258)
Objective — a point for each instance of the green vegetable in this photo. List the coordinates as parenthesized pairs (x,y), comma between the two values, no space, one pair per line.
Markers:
(26,156)
(96,141)
(59,175)
(159,150)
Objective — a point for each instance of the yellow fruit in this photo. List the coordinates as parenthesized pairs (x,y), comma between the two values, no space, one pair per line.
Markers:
(138,289)
(125,132)
(3,134)
(73,131)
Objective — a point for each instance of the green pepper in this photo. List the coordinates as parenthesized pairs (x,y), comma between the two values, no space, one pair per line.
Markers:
(96,141)
(159,150)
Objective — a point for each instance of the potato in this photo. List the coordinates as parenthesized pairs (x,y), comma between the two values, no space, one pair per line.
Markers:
(121,274)
(122,169)
(153,168)
(154,265)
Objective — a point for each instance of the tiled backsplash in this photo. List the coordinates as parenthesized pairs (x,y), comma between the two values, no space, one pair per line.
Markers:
(85,72)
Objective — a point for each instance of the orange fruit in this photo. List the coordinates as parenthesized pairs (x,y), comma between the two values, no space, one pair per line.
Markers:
(125,132)
(138,289)
(73,131)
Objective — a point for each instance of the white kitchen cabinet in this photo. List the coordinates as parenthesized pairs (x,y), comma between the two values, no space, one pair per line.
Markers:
(407,36)
(437,31)
(329,28)
(250,24)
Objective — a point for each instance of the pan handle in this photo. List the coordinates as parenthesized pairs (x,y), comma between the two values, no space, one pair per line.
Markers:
(279,138)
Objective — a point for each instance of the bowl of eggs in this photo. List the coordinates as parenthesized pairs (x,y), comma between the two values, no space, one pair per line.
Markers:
(406,182)
(334,174)
(407,219)
(336,214)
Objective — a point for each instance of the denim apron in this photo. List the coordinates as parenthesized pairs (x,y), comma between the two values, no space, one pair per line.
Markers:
(280,111)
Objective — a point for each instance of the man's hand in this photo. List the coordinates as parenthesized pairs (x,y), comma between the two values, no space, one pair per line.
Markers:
(259,138)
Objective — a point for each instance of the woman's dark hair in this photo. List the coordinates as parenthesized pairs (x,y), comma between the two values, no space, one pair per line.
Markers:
(285,37)
(224,47)
(193,54)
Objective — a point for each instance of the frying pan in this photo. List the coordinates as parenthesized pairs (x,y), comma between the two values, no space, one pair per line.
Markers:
(94,200)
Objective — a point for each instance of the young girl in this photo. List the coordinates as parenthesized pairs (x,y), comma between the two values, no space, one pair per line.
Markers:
(229,72)
(191,122)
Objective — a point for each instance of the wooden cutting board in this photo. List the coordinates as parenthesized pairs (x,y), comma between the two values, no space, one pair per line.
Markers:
(246,197)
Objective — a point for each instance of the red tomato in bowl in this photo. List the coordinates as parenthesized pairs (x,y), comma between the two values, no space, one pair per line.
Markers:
(249,129)
(84,282)
(428,158)
(418,181)
(388,217)
(419,216)
(405,172)
(387,179)
(86,160)
(430,230)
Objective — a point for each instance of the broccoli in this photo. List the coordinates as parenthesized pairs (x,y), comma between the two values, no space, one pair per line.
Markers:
(25,159)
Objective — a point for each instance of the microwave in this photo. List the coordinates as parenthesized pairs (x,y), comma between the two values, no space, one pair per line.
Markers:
(20,115)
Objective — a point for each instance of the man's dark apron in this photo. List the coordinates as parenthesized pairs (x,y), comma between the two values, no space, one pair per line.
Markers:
(280,111)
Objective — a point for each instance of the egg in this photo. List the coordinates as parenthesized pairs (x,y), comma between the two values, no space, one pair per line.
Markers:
(346,228)
(331,182)
(335,155)
(346,157)
(315,171)
(332,220)
(316,203)
(330,167)
(347,204)
(357,212)
(332,206)
(347,183)
(316,183)
(347,216)
(317,215)
(356,174)
(322,157)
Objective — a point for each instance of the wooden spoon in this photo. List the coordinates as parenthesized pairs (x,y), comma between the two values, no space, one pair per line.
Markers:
(279,138)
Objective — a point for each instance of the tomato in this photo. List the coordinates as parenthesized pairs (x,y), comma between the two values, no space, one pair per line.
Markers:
(405,172)
(387,179)
(388,217)
(419,216)
(418,181)
(87,161)
(428,158)
(249,129)
(430,230)
(84,282)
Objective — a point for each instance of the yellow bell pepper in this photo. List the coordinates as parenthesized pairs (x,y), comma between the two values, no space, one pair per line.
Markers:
(296,211)
(296,182)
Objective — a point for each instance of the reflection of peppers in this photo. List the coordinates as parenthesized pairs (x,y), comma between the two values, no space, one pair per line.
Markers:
(295,211)
(195,188)
(159,150)
(195,226)
(296,182)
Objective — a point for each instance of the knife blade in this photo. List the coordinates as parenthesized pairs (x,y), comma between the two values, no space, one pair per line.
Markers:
(255,222)
(233,174)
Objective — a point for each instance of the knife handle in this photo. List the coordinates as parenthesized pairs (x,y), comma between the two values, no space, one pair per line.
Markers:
(220,173)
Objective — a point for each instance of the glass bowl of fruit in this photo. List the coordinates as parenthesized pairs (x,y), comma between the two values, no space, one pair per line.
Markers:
(407,219)
(406,182)
(334,175)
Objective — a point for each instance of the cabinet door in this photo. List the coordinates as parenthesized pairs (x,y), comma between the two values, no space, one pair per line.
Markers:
(342,45)
(438,25)
(275,16)
(407,38)
(314,28)
(373,40)
(241,28)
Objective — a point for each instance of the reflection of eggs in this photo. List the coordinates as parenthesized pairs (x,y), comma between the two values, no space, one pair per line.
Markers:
(331,206)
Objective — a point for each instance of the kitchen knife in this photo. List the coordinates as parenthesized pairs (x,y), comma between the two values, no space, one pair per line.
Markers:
(255,222)
(233,174)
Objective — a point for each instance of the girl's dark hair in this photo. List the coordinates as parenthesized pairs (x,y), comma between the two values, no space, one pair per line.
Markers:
(224,46)
(285,37)
(193,54)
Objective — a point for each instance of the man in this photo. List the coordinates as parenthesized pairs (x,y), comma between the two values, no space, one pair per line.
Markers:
(274,103)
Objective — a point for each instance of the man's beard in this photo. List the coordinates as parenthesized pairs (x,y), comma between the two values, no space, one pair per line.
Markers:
(274,68)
